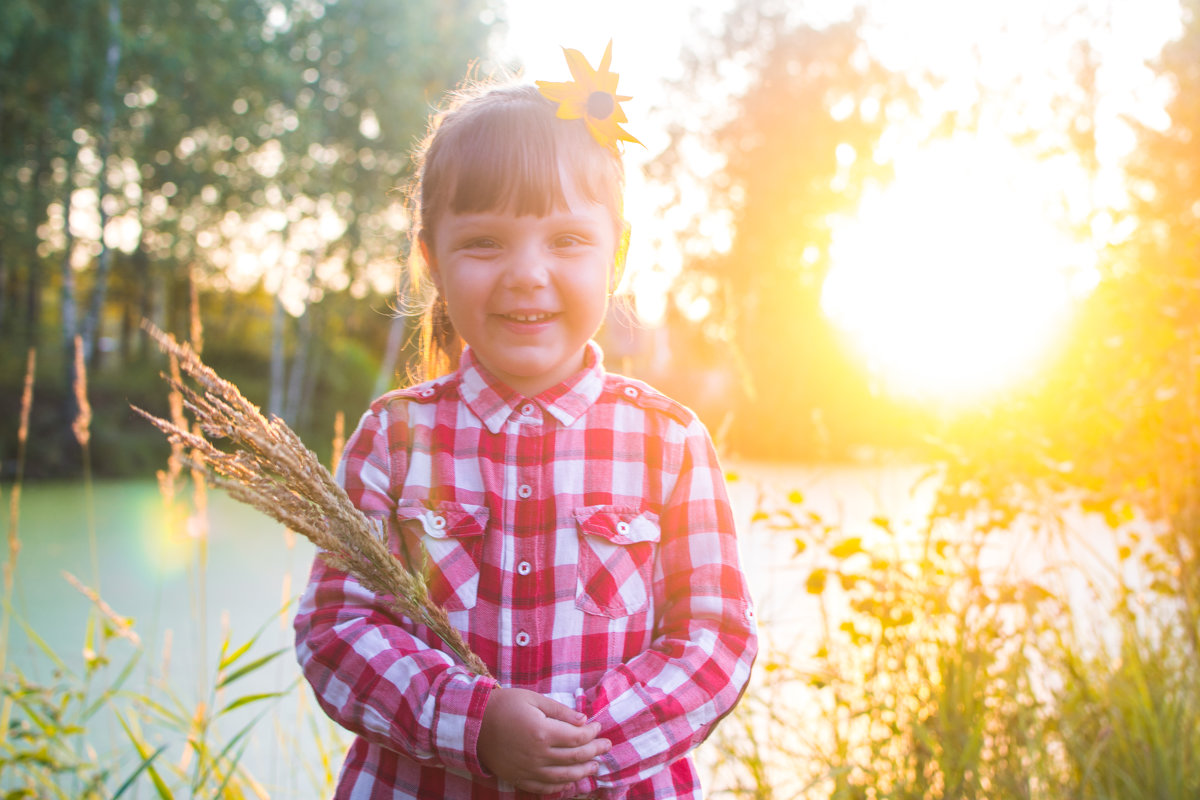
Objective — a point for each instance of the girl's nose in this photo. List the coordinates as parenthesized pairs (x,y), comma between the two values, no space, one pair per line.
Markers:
(527,268)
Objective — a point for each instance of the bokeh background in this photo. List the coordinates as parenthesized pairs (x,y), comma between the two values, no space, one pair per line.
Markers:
(930,272)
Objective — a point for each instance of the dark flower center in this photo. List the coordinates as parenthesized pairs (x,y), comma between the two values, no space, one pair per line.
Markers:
(600,105)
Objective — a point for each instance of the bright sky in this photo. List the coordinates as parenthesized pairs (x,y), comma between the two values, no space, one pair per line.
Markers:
(944,317)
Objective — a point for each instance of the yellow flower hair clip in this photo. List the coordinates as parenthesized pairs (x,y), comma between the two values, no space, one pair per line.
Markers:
(592,97)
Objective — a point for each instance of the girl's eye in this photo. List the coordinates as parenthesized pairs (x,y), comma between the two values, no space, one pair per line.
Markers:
(480,243)
(568,240)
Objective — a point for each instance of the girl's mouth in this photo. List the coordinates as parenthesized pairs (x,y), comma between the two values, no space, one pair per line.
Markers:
(530,318)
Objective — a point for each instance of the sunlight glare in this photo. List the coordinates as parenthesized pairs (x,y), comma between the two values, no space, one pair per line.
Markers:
(954,280)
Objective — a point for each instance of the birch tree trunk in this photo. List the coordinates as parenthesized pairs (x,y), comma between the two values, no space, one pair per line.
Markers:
(296,375)
(112,60)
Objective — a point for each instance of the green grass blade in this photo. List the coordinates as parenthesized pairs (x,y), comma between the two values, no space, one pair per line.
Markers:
(253,665)
(140,769)
(250,698)
(227,661)
(39,641)
(114,689)
(221,756)
(143,750)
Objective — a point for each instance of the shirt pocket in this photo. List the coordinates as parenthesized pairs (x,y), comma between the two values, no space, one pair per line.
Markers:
(451,536)
(617,547)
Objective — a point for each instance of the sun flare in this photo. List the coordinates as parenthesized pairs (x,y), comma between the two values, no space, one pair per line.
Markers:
(954,280)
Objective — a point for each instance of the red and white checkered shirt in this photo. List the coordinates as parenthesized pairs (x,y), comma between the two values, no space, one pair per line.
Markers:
(583,543)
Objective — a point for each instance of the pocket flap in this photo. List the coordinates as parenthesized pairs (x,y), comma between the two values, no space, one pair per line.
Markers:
(444,520)
(618,524)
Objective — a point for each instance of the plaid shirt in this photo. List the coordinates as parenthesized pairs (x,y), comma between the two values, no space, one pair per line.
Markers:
(583,543)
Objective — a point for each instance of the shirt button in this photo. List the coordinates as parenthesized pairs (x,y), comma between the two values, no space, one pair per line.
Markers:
(527,409)
(524,491)
(524,568)
(623,527)
(631,392)
(426,392)
(438,521)
(522,639)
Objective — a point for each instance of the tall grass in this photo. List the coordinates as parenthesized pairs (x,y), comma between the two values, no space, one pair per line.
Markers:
(14,537)
(953,659)
(108,724)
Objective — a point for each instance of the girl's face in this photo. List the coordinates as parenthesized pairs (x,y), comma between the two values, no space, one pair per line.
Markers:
(526,292)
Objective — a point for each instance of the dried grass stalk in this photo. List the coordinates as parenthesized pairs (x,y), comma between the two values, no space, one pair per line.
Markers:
(14,500)
(121,626)
(83,417)
(269,468)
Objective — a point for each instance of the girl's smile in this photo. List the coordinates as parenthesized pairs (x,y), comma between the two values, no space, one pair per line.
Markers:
(526,292)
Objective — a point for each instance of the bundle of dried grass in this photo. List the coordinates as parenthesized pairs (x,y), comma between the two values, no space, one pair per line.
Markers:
(269,468)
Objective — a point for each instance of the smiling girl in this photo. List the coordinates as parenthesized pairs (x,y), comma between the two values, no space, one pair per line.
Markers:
(573,523)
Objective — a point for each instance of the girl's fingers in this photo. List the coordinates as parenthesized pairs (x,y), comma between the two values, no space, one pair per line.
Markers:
(566,735)
(555,710)
(549,780)
(584,755)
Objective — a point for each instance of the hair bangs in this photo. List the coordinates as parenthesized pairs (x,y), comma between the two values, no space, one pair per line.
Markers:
(508,162)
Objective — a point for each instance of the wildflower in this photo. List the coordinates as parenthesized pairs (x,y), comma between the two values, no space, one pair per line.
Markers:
(592,97)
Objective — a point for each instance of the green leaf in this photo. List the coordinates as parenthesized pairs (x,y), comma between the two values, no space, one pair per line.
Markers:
(38,640)
(226,661)
(253,665)
(211,763)
(140,769)
(114,689)
(143,750)
(250,698)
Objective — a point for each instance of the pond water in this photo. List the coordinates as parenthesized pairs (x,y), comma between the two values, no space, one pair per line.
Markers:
(187,593)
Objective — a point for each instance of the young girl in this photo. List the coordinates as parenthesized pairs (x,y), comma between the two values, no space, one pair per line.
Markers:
(573,523)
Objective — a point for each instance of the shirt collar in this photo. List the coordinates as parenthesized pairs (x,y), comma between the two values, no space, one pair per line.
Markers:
(494,401)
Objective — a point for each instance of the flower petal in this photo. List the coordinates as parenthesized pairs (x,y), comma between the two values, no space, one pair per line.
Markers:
(572,97)
(581,71)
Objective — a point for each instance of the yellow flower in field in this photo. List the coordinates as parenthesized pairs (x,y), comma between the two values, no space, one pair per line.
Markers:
(592,97)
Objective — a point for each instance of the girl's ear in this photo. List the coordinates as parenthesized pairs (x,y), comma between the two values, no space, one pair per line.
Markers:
(622,254)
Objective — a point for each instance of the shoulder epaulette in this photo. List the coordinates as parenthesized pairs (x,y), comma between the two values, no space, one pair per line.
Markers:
(645,396)
(427,392)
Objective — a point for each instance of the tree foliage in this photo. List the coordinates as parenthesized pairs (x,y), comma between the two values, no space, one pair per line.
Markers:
(797,144)
(229,146)
(1114,426)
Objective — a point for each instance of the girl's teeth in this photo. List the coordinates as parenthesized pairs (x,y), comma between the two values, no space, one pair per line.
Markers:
(529,317)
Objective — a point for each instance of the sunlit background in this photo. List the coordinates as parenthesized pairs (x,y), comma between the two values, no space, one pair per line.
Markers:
(956,278)
(914,238)
(928,271)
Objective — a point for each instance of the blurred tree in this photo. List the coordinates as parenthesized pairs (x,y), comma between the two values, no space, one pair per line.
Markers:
(1141,357)
(1116,427)
(246,146)
(797,144)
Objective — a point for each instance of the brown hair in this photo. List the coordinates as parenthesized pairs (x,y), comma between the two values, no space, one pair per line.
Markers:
(496,147)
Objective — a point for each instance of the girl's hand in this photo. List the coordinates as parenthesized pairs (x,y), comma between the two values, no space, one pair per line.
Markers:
(537,744)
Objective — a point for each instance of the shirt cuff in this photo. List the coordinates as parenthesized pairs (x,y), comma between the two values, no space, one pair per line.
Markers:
(458,720)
